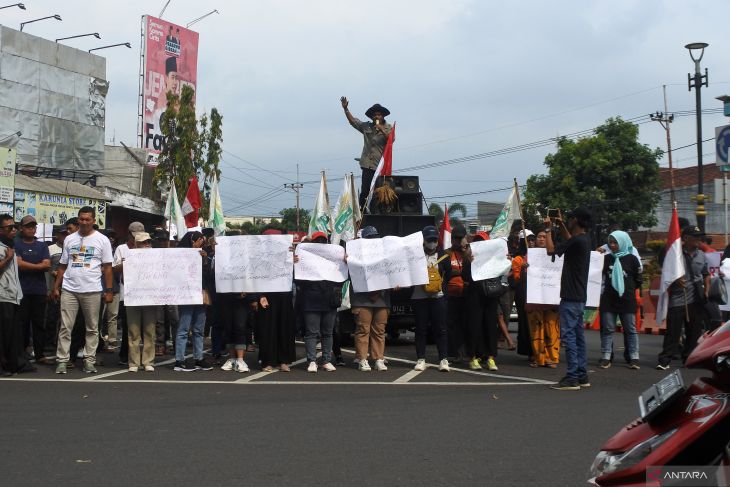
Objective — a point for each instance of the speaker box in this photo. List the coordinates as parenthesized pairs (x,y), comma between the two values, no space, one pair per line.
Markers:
(410,203)
(401,184)
(398,225)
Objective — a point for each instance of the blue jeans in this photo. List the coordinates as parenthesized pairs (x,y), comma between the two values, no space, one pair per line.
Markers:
(191,316)
(319,324)
(571,334)
(631,339)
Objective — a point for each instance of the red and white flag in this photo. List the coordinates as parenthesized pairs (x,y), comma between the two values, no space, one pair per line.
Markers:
(385,166)
(191,205)
(672,268)
(445,230)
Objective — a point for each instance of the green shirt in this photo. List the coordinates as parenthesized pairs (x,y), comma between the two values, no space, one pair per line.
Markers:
(373,143)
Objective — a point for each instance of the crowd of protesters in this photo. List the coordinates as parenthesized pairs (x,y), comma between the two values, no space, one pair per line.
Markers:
(69,297)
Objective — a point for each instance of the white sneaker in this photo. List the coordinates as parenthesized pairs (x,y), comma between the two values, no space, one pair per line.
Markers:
(364,366)
(228,365)
(380,365)
(149,368)
(312,366)
(444,366)
(132,368)
(420,365)
(329,367)
(241,366)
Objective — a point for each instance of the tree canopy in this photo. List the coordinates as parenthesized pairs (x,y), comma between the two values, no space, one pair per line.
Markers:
(437,210)
(192,147)
(610,173)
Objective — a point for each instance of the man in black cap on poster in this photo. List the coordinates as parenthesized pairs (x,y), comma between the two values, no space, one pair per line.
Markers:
(687,298)
(375,136)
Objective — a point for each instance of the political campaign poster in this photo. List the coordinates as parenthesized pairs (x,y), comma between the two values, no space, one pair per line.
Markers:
(170,61)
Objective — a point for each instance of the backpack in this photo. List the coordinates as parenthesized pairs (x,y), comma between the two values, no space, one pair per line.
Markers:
(434,277)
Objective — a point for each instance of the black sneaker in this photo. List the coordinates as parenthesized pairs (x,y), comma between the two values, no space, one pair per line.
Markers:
(604,363)
(339,361)
(584,383)
(183,367)
(661,366)
(634,364)
(203,365)
(566,384)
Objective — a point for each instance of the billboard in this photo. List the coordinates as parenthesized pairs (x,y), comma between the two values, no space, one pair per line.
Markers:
(170,62)
(7,179)
(55,209)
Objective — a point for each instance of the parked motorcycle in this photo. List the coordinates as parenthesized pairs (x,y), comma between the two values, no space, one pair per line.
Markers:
(679,428)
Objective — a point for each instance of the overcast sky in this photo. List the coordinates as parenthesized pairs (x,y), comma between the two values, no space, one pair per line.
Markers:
(460,77)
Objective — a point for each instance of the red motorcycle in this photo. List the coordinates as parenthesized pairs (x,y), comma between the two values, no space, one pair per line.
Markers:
(679,428)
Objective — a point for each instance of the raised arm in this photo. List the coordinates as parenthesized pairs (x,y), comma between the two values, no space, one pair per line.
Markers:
(349,116)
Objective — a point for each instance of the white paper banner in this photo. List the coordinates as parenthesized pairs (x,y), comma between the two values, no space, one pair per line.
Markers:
(163,276)
(490,259)
(320,262)
(384,263)
(254,263)
(543,278)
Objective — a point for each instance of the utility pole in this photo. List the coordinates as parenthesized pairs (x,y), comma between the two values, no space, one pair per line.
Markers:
(665,118)
(296,187)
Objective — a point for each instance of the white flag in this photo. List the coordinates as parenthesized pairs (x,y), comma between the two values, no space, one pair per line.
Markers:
(321,219)
(343,227)
(215,213)
(174,215)
(507,216)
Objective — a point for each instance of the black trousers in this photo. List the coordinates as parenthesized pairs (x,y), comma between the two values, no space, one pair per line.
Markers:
(10,338)
(458,325)
(676,321)
(31,318)
(483,324)
(367,180)
(233,319)
(430,311)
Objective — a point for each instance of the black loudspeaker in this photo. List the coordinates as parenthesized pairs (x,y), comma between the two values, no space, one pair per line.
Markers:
(398,225)
(401,184)
(410,203)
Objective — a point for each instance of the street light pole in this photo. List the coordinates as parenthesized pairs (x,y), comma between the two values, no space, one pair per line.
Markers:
(95,34)
(696,82)
(126,44)
(23,24)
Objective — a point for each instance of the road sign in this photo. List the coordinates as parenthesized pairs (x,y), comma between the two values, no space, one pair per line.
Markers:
(722,145)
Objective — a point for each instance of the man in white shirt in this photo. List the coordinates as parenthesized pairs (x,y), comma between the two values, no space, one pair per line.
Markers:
(86,255)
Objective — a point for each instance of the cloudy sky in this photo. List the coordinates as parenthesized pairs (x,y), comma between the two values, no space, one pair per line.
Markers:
(460,77)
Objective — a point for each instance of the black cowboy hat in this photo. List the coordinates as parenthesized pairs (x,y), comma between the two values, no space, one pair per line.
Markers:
(377,108)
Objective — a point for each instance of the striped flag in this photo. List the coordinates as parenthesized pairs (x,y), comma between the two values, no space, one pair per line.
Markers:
(385,166)
(672,268)
(215,213)
(445,230)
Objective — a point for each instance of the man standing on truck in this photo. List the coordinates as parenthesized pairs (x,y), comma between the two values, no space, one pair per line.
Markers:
(375,136)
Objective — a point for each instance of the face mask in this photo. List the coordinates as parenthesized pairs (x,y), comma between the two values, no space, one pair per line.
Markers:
(431,245)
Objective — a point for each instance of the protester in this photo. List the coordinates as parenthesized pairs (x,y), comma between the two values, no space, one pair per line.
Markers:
(110,311)
(518,283)
(53,312)
(375,137)
(86,255)
(576,250)
(429,302)
(141,320)
(11,335)
(319,301)
(687,296)
(371,317)
(458,325)
(621,280)
(192,316)
(34,260)
(121,253)
(167,315)
(482,316)
(543,320)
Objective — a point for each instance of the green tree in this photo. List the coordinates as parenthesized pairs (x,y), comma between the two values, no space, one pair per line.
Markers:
(289,219)
(437,210)
(192,147)
(610,173)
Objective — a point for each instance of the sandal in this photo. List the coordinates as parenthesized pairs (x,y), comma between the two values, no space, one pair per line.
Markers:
(284,368)
(551,366)
(533,365)
(268,368)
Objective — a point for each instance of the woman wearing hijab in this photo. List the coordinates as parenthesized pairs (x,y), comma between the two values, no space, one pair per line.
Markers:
(621,279)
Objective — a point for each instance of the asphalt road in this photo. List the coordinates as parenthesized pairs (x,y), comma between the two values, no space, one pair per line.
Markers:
(340,428)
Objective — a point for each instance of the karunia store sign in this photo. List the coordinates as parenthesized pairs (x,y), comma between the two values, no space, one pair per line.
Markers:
(55,208)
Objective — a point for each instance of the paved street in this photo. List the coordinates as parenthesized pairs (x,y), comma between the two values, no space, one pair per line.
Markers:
(390,428)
